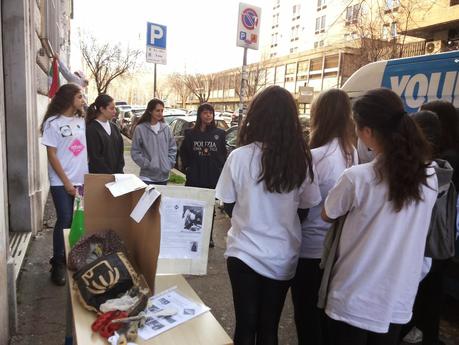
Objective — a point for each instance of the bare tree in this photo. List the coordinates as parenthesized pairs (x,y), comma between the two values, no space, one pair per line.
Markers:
(107,61)
(378,26)
(200,85)
(177,85)
(256,79)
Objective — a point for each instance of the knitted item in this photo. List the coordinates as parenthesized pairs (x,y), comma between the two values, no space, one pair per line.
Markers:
(91,247)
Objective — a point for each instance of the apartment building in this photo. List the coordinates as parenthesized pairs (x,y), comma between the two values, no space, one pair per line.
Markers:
(31,31)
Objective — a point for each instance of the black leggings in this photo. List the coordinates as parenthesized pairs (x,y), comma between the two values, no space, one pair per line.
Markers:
(258,303)
(341,333)
(309,320)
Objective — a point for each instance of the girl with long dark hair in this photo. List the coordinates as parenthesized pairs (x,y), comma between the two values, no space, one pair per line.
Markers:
(105,144)
(266,180)
(203,153)
(388,204)
(63,130)
(332,148)
(153,147)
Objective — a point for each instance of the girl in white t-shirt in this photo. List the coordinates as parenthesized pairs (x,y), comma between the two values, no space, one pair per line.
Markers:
(332,147)
(266,180)
(63,130)
(388,203)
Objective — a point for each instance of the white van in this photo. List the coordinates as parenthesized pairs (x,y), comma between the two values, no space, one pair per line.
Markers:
(417,80)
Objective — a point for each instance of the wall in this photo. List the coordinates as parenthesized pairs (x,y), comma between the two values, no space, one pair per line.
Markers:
(4,243)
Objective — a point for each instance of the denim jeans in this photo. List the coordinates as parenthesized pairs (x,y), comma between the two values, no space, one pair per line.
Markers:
(63,203)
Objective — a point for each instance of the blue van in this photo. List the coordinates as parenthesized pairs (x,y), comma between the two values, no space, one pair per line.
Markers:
(417,80)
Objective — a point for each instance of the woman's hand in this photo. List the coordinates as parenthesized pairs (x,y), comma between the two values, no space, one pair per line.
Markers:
(70,189)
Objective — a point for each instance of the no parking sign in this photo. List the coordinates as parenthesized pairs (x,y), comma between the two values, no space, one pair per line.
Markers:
(248,27)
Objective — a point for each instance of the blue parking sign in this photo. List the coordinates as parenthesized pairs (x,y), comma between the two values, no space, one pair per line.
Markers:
(156,35)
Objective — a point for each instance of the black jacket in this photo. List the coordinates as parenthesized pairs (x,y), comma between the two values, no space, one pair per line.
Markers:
(105,152)
(203,155)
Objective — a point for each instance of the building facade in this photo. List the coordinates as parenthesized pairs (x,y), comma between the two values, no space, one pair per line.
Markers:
(31,31)
(320,43)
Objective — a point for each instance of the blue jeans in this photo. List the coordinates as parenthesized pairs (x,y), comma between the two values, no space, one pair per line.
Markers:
(63,203)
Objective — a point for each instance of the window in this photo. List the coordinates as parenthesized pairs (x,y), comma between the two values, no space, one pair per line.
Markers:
(294,35)
(320,24)
(321,4)
(392,4)
(296,10)
(318,44)
(275,20)
(393,30)
(291,68)
(274,38)
(385,32)
(276,4)
(352,13)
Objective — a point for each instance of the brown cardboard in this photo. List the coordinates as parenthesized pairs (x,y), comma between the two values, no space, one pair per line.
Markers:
(103,211)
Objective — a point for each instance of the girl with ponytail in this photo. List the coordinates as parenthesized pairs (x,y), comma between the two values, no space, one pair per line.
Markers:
(105,144)
(388,204)
(63,130)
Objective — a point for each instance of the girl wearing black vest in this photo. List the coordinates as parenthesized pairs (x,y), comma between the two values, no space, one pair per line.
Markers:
(105,144)
(203,152)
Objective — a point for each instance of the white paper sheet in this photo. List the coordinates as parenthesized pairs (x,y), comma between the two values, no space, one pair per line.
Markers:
(125,183)
(186,310)
(144,203)
(182,224)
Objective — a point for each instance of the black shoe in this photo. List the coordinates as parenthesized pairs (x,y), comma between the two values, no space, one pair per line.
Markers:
(211,243)
(58,272)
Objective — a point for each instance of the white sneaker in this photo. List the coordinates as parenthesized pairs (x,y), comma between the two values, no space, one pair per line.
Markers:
(414,336)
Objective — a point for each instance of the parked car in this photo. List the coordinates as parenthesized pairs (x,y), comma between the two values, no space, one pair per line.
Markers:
(123,120)
(231,139)
(181,124)
(304,120)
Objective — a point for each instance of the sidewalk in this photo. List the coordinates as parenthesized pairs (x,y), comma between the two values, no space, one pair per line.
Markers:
(41,305)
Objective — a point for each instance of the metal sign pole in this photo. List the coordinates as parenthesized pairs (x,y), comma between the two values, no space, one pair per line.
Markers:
(154,82)
(243,90)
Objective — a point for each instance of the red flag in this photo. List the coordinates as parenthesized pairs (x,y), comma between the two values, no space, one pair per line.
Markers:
(53,78)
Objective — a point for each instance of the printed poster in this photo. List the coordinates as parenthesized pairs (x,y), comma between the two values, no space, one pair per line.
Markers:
(182,228)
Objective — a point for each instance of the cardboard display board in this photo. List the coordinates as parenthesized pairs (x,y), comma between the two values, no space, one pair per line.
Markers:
(103,211)
(198,264)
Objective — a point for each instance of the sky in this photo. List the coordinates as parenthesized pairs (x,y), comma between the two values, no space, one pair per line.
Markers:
(201,34)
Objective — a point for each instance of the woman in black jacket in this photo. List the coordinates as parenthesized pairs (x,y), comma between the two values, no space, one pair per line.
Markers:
(103,138)
(203,152)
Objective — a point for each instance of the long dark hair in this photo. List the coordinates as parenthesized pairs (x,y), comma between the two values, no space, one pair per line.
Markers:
(102,101)
(449,120)
(405,151)
(272,120)
(146,116)
(62,100)
(430,126)
(331,118)
(202,107)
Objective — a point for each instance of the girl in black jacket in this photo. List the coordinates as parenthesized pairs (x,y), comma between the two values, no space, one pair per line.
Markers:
(103,138)
(203,152)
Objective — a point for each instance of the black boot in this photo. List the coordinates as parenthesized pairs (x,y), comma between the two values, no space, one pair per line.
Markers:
(58,271)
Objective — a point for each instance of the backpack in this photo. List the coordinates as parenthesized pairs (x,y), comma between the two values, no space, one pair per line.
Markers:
(441,238)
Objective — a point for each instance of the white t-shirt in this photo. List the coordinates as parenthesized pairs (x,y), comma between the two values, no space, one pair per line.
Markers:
(330,163)
(265,229)
(156,127)
(68,136)
(380,255)
(106,126)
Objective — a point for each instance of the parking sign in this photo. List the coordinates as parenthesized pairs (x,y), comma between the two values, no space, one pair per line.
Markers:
(248,27)
(156,43)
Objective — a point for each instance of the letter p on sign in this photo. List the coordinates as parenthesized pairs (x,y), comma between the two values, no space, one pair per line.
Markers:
(156,35)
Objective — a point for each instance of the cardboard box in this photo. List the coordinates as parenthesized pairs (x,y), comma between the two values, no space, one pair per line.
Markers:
(103,211)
